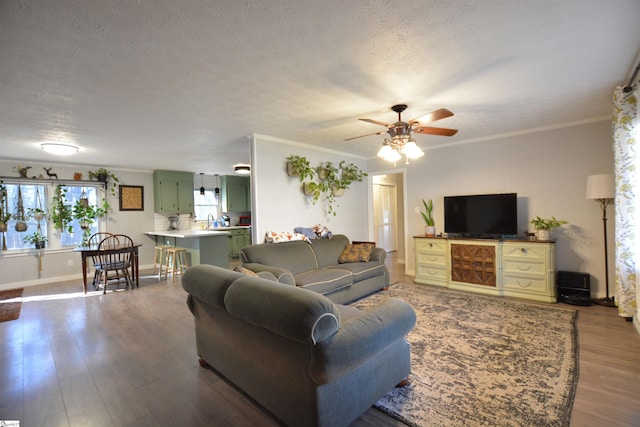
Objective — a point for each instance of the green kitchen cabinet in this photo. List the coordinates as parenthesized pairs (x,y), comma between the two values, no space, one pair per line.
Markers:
(235,193)
(238,239)
(172,191)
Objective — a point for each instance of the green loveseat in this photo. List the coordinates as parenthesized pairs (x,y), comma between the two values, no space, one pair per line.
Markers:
(315,266)
(308,361)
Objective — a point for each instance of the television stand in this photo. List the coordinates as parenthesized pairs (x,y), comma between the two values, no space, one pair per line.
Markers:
(513,267)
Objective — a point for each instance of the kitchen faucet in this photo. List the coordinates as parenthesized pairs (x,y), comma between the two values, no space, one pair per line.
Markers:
(212,218)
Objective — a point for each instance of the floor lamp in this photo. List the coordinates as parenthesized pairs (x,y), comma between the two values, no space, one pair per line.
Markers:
(601,188)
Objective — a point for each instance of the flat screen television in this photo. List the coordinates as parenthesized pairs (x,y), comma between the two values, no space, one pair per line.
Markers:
(481,215)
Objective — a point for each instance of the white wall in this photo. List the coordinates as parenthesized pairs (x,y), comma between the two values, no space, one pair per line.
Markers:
(547,169)
(21,267)
(279,203)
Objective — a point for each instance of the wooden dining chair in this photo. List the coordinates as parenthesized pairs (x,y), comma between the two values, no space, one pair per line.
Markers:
(116,256)
(95,240)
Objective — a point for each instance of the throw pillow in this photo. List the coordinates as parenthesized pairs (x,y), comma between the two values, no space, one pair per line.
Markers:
(246,271)
(356,253)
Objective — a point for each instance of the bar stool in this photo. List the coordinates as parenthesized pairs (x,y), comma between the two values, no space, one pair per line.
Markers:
(177,262)
(159,258)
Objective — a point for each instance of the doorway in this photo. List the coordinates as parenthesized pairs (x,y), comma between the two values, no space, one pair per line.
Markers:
(387,213)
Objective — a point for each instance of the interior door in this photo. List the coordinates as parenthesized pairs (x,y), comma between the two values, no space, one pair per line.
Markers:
(385,216)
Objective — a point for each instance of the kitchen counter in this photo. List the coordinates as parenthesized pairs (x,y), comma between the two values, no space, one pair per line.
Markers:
(203,246)
(187,234)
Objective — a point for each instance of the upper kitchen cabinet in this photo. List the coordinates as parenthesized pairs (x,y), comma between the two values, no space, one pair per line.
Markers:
(173,191)
(235,193)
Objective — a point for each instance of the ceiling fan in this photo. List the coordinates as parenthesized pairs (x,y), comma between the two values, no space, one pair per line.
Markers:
(401,141)
(414,125)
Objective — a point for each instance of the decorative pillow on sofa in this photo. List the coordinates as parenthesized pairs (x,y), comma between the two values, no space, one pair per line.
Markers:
(283,236)
(360,252)
(246,271)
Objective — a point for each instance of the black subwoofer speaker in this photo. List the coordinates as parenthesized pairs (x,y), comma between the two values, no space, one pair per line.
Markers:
(574,288)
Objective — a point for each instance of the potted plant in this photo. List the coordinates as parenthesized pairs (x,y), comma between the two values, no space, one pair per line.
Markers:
(36,213)
(36,238)
(299,166)
(61,214)
(313,189)
(5,216)
(86,215)
(105,176)
(544,226)
(350,173)
(20,215)
(430,228)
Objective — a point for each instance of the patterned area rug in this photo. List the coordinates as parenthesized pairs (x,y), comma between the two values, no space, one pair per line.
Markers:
(10,304)
(484,361)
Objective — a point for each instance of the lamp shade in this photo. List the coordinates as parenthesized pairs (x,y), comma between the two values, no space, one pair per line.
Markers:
(600,187)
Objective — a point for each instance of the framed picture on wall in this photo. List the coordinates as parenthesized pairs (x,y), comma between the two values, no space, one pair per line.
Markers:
(131,197)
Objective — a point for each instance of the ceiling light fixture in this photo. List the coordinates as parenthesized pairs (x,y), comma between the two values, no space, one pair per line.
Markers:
(393,149)
(242,169)
(59,149)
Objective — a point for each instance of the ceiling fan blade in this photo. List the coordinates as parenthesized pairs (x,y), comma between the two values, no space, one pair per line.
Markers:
(375,122)
(439,114)
(435,131)
(369,134)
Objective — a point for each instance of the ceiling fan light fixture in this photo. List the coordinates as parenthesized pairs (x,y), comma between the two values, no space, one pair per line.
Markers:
(388,153)
(411,150)
(242,169)
(59,149)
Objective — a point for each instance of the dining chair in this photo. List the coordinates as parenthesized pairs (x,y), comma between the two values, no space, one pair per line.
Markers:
(116,255)
(95,240)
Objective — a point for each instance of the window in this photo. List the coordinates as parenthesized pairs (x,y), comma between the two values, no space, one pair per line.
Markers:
(73,194)
(40,195)
(30,194)
(205,205)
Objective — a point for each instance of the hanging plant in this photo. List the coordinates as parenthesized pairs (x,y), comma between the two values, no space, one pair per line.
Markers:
(61,212)
(86,215)
(37,212)
(5,215)
(36,238)
(20,215)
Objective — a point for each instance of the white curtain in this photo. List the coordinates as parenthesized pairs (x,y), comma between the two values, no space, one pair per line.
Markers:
(627,198)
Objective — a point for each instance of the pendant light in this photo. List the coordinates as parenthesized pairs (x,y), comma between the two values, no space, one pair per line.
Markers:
(201,184)
(217,189)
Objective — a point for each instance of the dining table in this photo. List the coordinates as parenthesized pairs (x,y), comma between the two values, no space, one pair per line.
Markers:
(93,250)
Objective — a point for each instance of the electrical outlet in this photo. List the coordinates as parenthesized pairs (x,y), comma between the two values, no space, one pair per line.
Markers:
(69,263)
(417,210)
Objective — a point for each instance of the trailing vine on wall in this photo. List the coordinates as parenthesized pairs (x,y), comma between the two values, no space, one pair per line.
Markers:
(332,181)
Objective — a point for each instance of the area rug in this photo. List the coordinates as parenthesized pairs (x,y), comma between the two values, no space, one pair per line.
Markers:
(484,361)
(10,304)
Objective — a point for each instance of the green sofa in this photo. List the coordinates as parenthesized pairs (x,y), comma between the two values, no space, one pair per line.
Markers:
(307,360)
(315,266)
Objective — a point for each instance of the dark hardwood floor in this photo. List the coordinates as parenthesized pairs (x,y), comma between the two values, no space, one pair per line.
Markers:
(128,358)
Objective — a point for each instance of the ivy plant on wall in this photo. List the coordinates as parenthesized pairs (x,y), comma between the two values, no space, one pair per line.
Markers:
(332,180)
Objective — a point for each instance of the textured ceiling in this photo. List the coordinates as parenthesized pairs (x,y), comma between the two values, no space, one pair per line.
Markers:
(155,84)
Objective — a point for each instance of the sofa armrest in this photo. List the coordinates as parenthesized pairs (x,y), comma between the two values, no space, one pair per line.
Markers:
(360,338)
(282,274)
(378,254)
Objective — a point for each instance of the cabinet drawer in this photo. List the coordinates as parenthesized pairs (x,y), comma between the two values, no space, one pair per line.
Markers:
(432,259)
(531,284)
(517,266)
(431,246)
(431,272)
(525,251)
